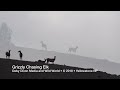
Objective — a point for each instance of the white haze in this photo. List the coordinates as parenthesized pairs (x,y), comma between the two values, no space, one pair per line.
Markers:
(96,33)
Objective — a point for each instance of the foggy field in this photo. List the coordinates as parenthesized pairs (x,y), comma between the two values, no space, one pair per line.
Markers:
(87,39)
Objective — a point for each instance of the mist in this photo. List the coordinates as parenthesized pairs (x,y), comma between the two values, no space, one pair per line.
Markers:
(96,33)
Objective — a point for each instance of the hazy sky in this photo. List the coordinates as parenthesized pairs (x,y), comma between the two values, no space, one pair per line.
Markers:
(96,33)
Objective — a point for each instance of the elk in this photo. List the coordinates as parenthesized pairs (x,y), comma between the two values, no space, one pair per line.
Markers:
(42,61)
(8,54)
(51,59)
(20,54)
(44,45)
(73,49)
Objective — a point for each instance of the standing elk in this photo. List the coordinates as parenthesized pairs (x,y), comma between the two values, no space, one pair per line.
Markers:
(20,54)
(8,54)
(51,59)
(44,45)
(73,49)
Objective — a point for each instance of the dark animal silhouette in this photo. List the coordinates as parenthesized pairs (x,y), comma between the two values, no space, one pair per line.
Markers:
(51,59)
(20,54)
(44,45)
(42,61)
(8,54)
(73,49)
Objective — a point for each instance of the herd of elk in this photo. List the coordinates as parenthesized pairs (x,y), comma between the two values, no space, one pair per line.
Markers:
(47,60)
(71,49)
(52,60)
(8,54)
